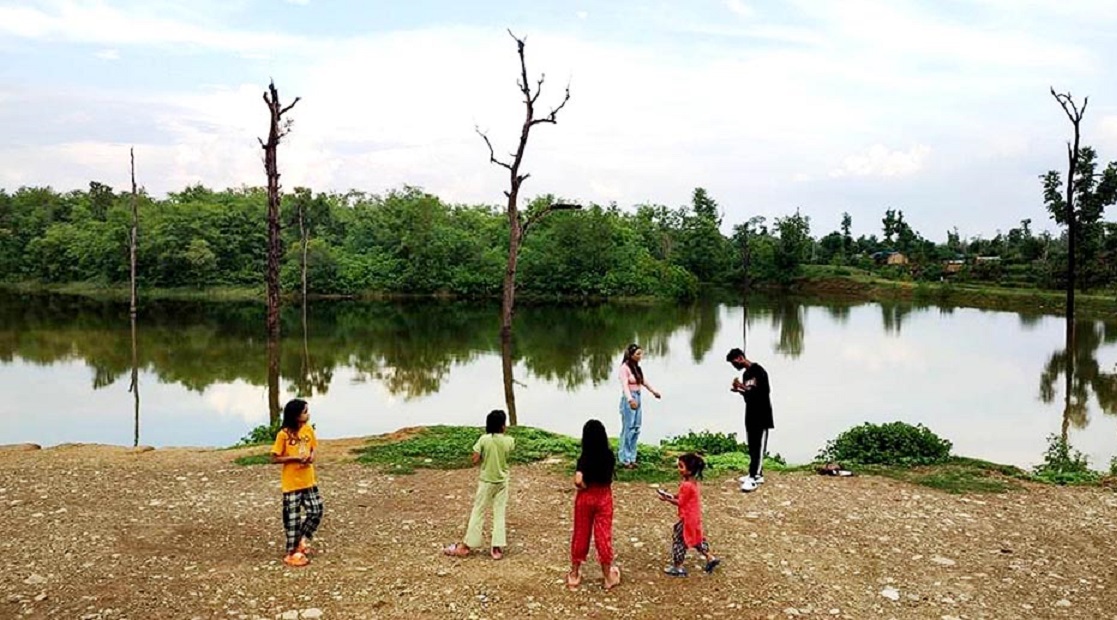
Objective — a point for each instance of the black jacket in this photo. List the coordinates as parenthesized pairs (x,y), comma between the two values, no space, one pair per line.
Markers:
(758,399)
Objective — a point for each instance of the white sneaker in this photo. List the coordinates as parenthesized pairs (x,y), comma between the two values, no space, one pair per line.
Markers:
(748,485)
(757,480)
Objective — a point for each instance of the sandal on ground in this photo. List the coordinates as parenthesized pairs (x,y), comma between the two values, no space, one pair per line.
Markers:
(457,550)
(296,559)
(675,571)
(573,580)
(303,548)
(711,565)
(615,574)
(497,553)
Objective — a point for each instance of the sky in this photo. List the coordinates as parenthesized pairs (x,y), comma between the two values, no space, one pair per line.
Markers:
(939,109)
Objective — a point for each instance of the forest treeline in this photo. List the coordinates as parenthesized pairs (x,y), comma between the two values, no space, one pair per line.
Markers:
(408,241)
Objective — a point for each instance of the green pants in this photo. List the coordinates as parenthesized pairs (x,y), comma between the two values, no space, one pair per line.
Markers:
(488,493)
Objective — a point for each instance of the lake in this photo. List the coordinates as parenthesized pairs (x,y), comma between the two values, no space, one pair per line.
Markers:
(991,382)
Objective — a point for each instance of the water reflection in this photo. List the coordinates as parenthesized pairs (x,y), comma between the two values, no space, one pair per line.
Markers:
(209,373)
(1082,374)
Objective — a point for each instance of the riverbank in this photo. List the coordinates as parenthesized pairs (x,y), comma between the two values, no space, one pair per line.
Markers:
(823,282)
(108,532)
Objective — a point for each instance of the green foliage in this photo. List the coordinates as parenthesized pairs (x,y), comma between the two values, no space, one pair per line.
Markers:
(263,458)
(1113,466)
(450,447)
(704,442)
(893,443)
(1064,465)
(263,434)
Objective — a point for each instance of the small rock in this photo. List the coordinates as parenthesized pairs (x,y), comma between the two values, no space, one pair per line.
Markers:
(311,613)
(290,614)
(791,611)
(35,579)
(39,598)
(1062,603)
(890,593)
(941,561)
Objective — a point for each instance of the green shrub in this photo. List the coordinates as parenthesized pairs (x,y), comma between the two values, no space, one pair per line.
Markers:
(893,443)
(1113,466)
(705,442)
(1064,465)
(262,434)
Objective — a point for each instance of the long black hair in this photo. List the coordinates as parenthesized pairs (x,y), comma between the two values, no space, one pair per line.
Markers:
(291,412)
(494,422)
(597,462)
(632,364)
(694,464)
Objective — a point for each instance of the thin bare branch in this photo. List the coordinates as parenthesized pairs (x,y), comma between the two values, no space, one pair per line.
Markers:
(552,118)
(538,88)
(492,154)
(284,110)
(544,212)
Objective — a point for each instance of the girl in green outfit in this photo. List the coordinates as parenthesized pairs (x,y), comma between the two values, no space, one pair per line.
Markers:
(491,451)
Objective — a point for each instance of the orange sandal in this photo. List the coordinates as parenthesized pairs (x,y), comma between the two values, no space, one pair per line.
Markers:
(296,559)
(303,548)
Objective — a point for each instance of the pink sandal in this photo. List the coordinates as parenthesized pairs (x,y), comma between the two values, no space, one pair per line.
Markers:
(497,553)
(457,550)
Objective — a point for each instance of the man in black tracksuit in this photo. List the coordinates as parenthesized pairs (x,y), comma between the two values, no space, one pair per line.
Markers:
(753,386)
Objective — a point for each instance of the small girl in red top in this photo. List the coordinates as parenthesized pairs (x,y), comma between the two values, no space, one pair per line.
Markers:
(593,506)
(688,530)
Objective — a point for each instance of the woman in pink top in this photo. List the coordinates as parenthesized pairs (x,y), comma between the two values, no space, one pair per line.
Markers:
(632,380)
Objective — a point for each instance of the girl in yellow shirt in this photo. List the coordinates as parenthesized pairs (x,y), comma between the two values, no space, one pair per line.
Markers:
(295,447)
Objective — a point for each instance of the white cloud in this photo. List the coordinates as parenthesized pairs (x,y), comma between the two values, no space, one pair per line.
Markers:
(109,54)
(739,8)
(582,15)
(879,161)
(102,24)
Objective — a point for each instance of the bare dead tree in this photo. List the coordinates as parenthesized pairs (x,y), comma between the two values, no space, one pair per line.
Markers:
(1074,114)
(278,128)
(519,223)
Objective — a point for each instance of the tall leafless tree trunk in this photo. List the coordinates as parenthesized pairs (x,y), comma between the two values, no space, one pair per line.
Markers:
(278,128)
(134,386)
(519,223)
(1074,114)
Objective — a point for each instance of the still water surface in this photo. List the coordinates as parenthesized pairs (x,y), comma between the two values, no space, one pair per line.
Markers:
(991,382)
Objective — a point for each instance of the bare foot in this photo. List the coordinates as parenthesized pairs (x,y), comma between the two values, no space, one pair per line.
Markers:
(614,578)
(573,580)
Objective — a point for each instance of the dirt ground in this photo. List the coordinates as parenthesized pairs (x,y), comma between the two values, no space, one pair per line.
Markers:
(99,532)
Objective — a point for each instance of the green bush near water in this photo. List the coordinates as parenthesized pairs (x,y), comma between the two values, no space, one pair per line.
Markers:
(893,443)
(1064,465)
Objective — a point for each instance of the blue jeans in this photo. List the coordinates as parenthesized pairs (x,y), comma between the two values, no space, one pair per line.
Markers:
(630,428)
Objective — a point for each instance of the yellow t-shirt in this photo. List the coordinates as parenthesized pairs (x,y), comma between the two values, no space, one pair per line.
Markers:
(296,476)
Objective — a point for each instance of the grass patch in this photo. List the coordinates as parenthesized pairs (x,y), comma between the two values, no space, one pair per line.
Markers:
(957,475)
(254,459)
(449,447)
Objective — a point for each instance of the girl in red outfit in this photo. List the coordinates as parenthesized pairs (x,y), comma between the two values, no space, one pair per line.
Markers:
(593,506)
(688,530)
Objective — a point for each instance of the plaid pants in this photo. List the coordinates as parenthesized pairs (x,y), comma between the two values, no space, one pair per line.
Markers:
(678,545)
(295,527)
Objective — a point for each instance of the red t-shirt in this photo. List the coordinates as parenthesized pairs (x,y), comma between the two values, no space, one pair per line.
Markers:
(690,513)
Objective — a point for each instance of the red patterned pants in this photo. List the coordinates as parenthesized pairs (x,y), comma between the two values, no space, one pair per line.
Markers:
(593,513)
